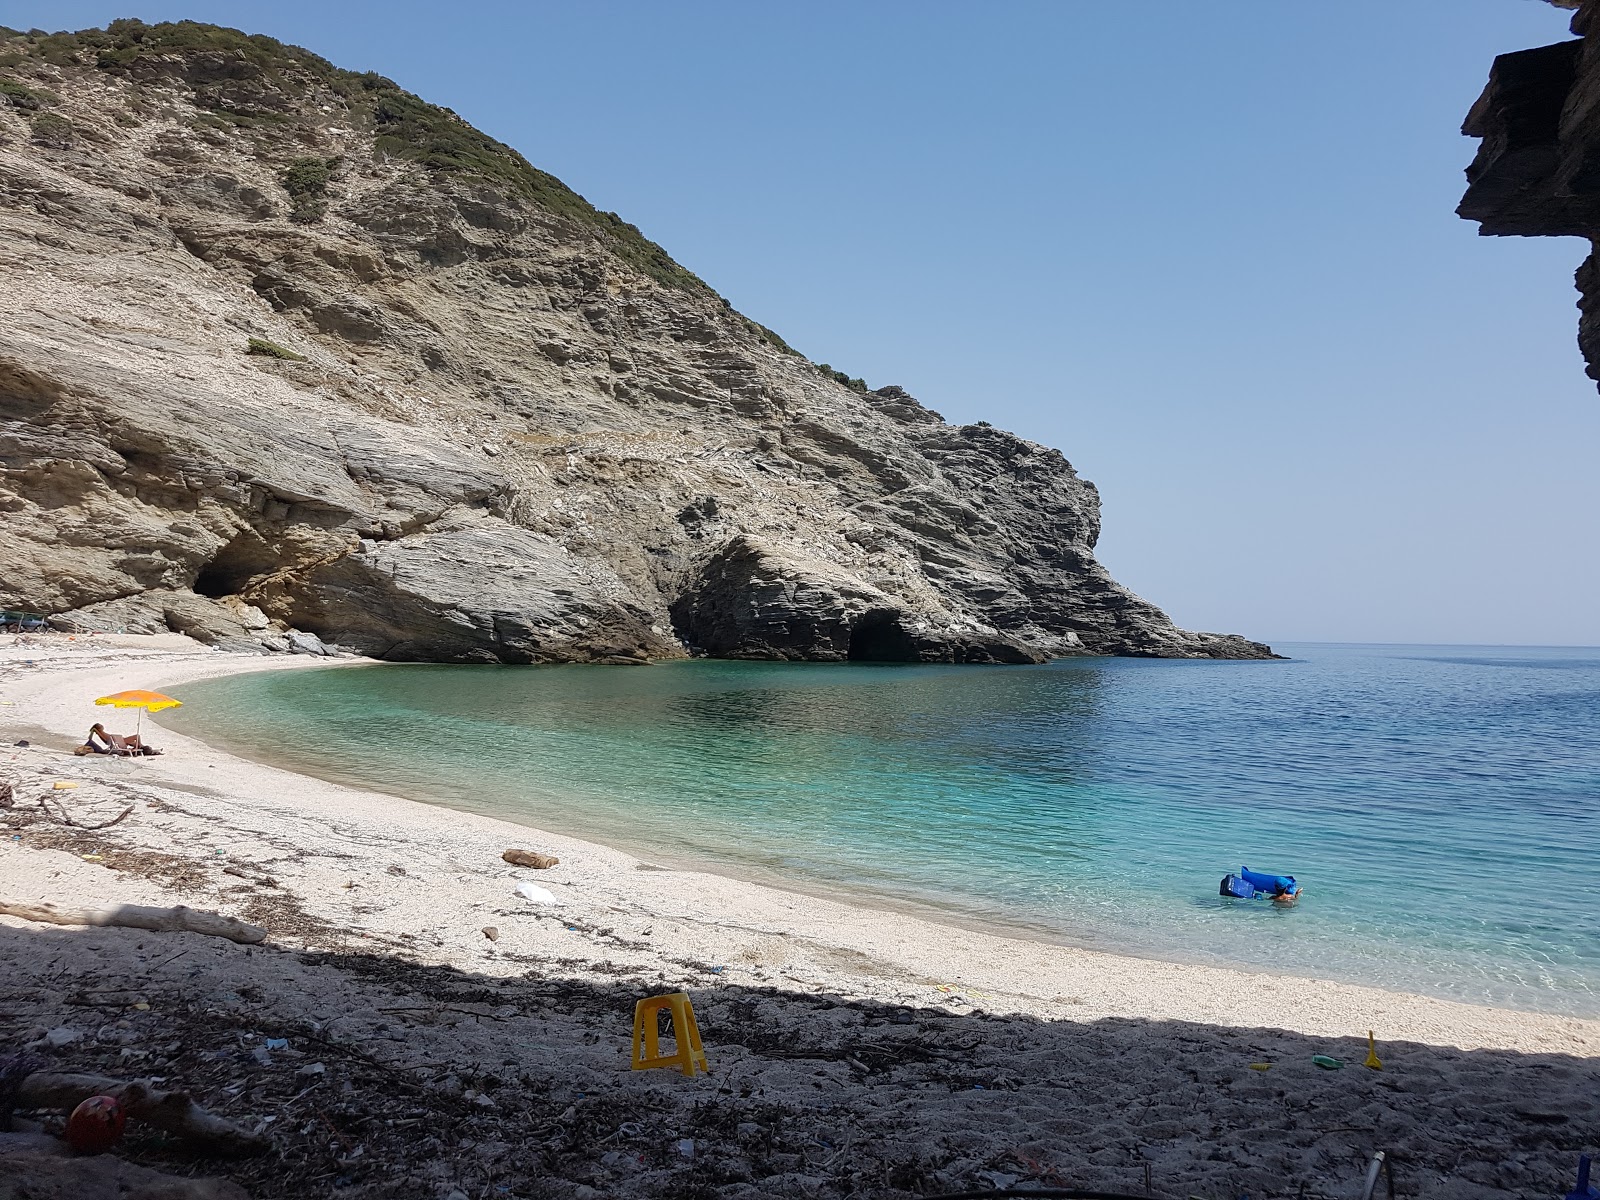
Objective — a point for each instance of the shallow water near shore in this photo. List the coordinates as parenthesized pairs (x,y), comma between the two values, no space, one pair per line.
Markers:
(1441,805)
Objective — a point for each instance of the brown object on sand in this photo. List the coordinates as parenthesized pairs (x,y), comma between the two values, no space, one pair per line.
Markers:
(172,1112)
(490,932)
(530,858)
(177,919)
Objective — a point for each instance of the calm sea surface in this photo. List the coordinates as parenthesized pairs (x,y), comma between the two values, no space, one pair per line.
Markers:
(1441,805)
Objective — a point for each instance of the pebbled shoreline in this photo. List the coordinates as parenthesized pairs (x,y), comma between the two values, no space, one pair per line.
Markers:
(359,890)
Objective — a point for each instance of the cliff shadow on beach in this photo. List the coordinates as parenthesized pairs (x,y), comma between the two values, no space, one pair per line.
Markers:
(396,1079)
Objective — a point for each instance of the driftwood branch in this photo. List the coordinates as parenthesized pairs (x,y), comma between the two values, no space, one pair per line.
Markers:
(140,916)
(172,1112)
(531,858)
(65,818)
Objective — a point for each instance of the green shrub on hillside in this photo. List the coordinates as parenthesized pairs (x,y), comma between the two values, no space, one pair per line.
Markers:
(839,377)
(407,128)
(306,181)
(272,350)
(28,98)
(308,176)
(765,334)
(244,120)
(124,43)
(52,130)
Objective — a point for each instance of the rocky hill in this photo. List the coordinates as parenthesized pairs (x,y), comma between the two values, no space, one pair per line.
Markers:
(287,350)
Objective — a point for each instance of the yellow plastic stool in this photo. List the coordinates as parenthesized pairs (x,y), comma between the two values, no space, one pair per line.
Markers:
(685,1035)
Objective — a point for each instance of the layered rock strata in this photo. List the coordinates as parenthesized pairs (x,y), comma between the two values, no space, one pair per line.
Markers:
(286,351)
(1537,171)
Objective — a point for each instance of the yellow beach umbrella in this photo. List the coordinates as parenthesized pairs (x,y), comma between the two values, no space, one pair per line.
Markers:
(142,700)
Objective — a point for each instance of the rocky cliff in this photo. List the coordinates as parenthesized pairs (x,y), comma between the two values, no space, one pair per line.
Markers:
(1537,171)
(287,351)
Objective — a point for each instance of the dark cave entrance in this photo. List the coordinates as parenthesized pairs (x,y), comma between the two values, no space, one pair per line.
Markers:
(233,566)
(879,637)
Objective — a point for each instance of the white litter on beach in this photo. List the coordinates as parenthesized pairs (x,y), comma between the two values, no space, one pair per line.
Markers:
(532,891)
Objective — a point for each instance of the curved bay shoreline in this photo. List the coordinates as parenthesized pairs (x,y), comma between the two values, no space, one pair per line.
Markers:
(926,954)
(797,993)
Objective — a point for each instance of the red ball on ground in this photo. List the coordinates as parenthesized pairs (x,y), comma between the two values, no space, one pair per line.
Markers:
(96,1124)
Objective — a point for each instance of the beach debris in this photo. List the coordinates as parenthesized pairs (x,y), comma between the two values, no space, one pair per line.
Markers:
(1261,1066)
(14,1068)
(59,1037)
(61,814)
(171,1112)
(1541,1116)
(686,1147)
(1327,1063)
(8,795)
(277,1043)
(688,1056)
(96,1124)
(257,878)
(1373,1062)
(311,1070)
(491,932)
(1000,1180)
(531,858)
(1378,1165)
(178,919)
(535,893)
(63,785)
(1583,1191)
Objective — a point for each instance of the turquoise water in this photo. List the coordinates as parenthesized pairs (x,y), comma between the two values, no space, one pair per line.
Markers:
(1439,804)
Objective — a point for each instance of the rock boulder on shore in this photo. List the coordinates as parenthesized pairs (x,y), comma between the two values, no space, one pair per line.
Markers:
(288,350)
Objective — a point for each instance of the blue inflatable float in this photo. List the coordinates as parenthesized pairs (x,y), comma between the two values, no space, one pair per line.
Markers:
(1258,885)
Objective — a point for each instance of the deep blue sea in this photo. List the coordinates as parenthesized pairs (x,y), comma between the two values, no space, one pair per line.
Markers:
(1440,805)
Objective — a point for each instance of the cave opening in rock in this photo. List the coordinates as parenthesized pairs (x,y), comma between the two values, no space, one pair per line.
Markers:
(233,566)
(879,637)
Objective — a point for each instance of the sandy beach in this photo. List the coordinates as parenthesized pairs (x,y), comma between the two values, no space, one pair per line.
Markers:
(854,1051)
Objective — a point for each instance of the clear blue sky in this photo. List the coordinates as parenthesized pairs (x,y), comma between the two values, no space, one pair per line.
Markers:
(1208,250)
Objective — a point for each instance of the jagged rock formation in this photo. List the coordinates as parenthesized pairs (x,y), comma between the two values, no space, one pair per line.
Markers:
(1537,171)
(287,351)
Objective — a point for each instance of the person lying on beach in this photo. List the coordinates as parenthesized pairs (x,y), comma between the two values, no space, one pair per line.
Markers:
(115,743)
